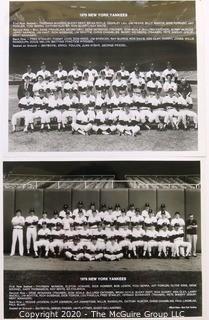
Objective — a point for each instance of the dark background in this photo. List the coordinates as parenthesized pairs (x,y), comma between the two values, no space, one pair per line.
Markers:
(182,54)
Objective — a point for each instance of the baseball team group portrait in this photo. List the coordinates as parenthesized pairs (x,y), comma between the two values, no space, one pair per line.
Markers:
(113,217)
(140,97)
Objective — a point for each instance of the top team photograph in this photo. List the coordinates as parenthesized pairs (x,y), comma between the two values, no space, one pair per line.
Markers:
(140,97)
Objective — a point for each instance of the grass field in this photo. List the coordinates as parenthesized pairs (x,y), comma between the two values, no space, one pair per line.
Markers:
(66,142)
(28,263)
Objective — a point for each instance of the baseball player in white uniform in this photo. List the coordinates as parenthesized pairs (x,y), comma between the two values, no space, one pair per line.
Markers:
(18,222)
(73,250)
(55,220)
(137,238)
(185,105)
(150,241)
(109,73)
(46,74)
(152,72)
(42,240)
(56,240)
(44,219)
(40,108)
(70,103)
(178,220)
(124,73)
(169,84)
(92,73)
(60,72)
(31,223)
(163,208)
(119,84)
(26,106)
(103,122)
(39,85)
(164,240)
(113,250)
(77,74)
(170,103)
(180,245)
(55,104)
(29,74)
(170,71)
(84,120)
(154,85)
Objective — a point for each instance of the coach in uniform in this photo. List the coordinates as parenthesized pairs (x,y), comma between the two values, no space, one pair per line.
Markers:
(191,233)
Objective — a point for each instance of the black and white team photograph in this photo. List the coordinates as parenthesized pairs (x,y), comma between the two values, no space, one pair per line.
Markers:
(135,221)
(138,97)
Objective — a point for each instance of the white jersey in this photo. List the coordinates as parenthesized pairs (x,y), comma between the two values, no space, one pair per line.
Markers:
(55,221)
(161,221)
(124,233)
(101,84)
(113,248)
(109,73)
(150,221)
(170,102)
(153,86)
(44,73)
(40,103)
(85,118)
(53,85)
(26,103)
(31,75)
(123,219)
(31,221)
(179,221)
(43,220)
(137,234)
(145,213)
(169,86)
(79,220)
(39,86)
(61,74)
(164,235)
(93,74)
(177,235)
(76,74)
(55,103)
(18,222)
(44,234)
(75,212)
(171,72)
(119,84)
(102,117)
(100,100)
(150,73)
(159,214)
(70,86)
(83,85)
(57,234)
(67,222)
(137,219)
(134,75)
(185,102)
(151,235)
(155,102)
(94,219)
(124,74)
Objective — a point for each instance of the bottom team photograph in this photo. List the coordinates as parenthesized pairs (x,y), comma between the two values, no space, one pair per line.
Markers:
(111,236)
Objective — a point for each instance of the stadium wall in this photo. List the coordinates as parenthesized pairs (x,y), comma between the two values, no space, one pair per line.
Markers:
(184,201)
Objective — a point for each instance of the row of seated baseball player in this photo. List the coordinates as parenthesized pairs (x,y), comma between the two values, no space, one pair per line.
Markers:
(108,233)
(108,73)
(124,114)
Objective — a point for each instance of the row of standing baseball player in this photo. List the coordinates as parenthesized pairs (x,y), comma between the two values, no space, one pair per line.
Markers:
(121,225)
(123,114)
(107,71)
(135,84)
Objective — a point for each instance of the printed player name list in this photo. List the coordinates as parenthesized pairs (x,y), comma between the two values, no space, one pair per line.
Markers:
(97,33)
